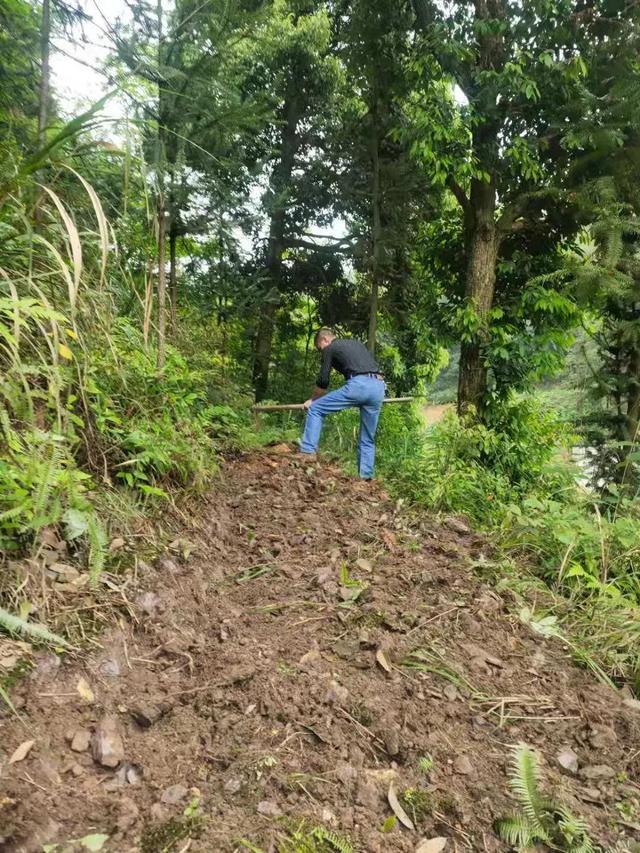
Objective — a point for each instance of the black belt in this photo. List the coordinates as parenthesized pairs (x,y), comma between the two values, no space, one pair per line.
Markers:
(373,375)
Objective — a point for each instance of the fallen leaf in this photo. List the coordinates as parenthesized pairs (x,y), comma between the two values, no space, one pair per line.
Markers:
(389,539)
(397,809)
(65,352)
(84,690)
(382,660)
(22,751)
(431,845)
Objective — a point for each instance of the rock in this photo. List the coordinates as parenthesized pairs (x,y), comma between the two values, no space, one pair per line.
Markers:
(457,525)
(336,694)
(392,741)
(269,809)
(149,603)
(463,766)
(232,786)
(568,760)
(451,692)
(128,813)
(109,668)
(598,772)
(174,794)
(590,794)
(81,740)
(431,845)
(145,713)
(106,745)
(602,737)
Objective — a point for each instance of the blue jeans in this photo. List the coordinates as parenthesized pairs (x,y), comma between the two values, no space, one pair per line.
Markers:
(363,392)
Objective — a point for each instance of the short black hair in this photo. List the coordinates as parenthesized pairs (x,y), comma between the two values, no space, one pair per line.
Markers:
(324,332)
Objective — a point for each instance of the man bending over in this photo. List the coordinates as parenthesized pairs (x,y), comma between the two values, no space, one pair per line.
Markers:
(363,389)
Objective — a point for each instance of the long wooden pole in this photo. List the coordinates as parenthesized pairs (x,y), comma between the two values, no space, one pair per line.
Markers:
(292,407)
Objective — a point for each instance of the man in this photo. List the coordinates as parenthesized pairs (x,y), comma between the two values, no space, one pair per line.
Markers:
(364,389)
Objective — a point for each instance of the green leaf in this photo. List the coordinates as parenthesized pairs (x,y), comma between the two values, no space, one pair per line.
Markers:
(95,842)
(76,523)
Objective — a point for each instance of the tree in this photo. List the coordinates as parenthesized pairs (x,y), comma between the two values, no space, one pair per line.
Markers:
(504,152)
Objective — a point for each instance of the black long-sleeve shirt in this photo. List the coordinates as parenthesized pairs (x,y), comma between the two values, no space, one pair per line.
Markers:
(347,356)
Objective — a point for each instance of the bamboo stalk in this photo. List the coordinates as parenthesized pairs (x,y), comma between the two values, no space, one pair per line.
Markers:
(291,407)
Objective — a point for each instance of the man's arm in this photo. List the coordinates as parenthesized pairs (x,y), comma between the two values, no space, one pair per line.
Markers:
(322,382)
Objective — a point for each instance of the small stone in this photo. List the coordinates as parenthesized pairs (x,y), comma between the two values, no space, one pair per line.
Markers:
(451,692)
(76,769)
(336,694)
(145,713)
(392,742)
(598,773)
(602,737)
(457,525)
(174,794)
(106,744)
(463,766)
(568,760)
(110,668)
(232,786)
(81,740)
(269,809)
(590,794)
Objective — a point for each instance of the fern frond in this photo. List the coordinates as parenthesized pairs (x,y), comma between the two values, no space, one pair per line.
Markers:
(525,783)
(97,548)
(574,831)
(15,625)
(516,831)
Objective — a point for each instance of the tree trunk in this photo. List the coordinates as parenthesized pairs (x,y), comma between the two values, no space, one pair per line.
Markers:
(482,244)
(173,276)
(376,234)
(280,186)
(45,74)
(162,283)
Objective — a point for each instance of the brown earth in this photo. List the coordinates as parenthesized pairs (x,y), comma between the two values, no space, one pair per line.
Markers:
(256,679)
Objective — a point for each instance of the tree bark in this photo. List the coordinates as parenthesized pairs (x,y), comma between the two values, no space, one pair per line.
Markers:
(173,275)
(376,234)
(45,72)
(482,244)
(162,284)
(280,186)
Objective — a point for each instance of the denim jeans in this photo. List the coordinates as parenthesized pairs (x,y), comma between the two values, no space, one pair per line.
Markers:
(364,392)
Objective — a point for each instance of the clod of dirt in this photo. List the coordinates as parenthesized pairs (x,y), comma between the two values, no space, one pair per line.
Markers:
(174,794)
(81,740)
(598,772)
(451,692)
(463,766)
(128,813)
(568,760)
(602,737)
(269,809)
(106,745)
(145,713)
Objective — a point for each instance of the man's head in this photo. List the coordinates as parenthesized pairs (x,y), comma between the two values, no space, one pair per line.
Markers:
(323,338)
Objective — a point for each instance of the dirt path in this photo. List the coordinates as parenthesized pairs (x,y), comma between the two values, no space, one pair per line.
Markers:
(262,682)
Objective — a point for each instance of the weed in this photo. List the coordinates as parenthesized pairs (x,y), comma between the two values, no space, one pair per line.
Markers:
(425,764)
(418,804)
(541,819)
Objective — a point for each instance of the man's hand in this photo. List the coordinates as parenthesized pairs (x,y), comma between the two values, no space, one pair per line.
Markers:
(308,402)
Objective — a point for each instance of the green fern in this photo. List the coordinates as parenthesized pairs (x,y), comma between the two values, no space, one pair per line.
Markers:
(15,625)
(97,548)
(541,820)
(316,840)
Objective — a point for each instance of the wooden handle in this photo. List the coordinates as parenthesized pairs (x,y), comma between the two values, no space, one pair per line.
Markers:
(293,407)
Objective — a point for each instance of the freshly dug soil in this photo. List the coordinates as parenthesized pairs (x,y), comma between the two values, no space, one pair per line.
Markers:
(264,681)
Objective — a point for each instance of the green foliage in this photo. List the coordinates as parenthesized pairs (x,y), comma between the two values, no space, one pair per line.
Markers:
(541,819)
(36,633)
